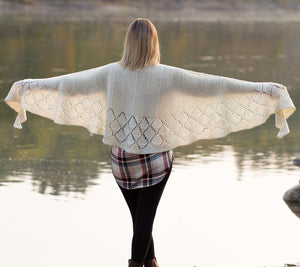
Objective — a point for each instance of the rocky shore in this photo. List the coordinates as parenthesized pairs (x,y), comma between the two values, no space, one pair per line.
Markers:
(191,11)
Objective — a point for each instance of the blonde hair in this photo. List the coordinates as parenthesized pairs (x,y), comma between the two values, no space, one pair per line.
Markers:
(141,47)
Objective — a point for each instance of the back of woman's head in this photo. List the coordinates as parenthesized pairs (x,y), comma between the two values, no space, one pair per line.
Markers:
(141,46)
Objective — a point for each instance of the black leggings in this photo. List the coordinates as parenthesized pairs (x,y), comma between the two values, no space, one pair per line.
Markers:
(143,203)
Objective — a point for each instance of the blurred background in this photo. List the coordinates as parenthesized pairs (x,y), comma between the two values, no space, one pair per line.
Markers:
(60,206)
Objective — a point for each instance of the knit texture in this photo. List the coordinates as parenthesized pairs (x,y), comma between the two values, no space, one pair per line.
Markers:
(153,109)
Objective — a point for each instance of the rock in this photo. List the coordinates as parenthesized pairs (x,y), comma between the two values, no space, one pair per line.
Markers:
(296,161)
(292,199)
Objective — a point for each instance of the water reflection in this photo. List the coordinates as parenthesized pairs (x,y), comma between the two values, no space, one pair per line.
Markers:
(63,158)
(52,176)
(58,160)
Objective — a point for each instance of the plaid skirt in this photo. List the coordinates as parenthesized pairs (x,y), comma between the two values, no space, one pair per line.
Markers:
(133,171)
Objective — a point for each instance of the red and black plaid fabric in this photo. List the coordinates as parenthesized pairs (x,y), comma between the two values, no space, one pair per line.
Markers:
(139,170)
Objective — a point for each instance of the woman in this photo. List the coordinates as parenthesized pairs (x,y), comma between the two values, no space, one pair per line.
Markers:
(141,177)
(145,109)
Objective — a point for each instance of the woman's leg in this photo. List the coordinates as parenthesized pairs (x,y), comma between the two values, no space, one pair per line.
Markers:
(131,197)
(150,253)
(143,205)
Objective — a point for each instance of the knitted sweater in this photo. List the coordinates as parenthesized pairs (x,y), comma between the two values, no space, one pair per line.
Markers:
(153,109)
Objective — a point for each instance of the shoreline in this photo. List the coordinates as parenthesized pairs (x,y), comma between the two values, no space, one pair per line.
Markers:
(186,12)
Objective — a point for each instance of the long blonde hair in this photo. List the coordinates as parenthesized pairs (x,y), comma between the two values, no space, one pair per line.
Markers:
(141,47)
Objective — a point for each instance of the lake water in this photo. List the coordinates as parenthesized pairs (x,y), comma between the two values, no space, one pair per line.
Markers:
(223,204)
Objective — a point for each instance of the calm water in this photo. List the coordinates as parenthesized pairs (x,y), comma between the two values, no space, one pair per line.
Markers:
(60,206)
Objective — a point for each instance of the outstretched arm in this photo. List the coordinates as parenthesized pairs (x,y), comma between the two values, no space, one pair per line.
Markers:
(236,104)
(68,99)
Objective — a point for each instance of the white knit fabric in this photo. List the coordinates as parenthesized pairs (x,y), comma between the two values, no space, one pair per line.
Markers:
(152,109)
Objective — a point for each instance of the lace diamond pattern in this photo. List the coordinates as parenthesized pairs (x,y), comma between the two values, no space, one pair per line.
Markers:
(209,121)
(205,121)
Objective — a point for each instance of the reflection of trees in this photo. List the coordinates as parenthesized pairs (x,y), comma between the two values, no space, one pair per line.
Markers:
(63,176)
(71,157)
(58,158)
(256,148)
(52,175)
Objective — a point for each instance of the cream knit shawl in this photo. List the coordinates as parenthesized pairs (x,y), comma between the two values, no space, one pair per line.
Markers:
(152,109)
